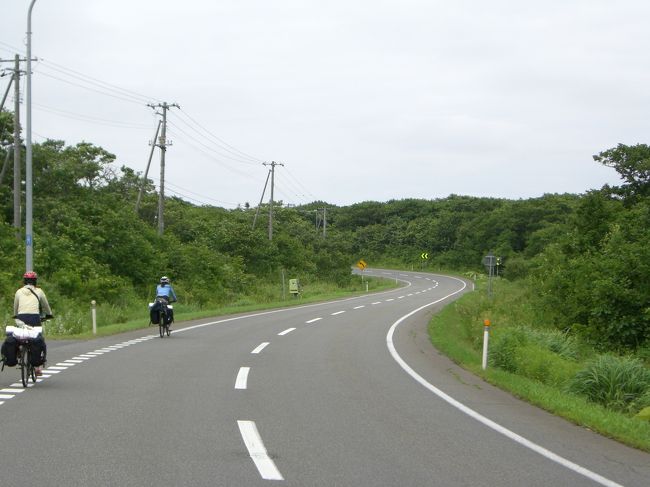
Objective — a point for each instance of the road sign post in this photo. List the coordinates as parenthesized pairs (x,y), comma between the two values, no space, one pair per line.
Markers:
(489,261)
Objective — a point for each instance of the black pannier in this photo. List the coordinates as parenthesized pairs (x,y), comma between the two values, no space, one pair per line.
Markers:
(154,312)
(9,351)
(37,351)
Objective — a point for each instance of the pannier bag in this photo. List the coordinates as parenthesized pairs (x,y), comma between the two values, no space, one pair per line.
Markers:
(9,351)
(154,312)
(37,351)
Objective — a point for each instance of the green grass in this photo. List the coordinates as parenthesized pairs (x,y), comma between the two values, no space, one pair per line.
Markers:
(535,363)
(112,320)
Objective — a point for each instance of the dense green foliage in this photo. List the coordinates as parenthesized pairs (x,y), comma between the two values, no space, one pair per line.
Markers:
(585,258)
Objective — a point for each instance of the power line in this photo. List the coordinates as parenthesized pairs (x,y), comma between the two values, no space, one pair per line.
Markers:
(89,118)
(210,134)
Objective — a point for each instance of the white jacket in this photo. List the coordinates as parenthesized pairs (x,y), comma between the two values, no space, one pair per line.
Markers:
(26,303)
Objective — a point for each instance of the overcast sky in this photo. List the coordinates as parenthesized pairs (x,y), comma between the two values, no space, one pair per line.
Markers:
(359,99)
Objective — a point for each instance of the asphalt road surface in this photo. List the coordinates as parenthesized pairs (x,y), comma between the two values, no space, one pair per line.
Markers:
(344,393)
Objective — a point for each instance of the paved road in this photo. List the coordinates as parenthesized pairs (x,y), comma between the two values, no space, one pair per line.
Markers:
(346,393)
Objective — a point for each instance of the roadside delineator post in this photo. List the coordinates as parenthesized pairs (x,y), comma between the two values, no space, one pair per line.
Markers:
(93,312)
(486,336)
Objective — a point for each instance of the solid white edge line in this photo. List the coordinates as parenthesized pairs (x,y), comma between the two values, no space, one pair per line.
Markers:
(257,451)
(241,382)
(479,417)
(260,347)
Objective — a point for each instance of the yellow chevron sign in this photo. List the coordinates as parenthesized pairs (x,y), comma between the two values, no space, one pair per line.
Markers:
(362,264)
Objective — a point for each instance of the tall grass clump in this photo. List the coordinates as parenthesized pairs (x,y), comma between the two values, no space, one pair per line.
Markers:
(618,383)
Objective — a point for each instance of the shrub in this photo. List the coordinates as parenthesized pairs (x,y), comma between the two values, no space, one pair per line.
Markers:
(503,351)
(617,383)
(538,363)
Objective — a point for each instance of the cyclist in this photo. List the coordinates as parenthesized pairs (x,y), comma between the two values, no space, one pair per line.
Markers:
(30,307)
(165,291)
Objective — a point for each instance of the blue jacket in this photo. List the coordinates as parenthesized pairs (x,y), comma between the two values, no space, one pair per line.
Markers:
(167,290)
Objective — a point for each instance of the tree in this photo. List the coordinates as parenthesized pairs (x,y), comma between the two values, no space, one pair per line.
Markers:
(633,164)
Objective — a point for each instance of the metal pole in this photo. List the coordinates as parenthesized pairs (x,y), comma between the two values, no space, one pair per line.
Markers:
(29,249)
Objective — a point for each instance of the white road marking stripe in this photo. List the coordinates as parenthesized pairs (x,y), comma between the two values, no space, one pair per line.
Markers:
(359,307)
(242,378)
(1,403)
(288,330)
(338,313)
(63,364)
(87,356)
(6,396)
(479,417)
(73,362)
(58,369)
(391,299)
(50,371)
(311,321)
(12,391)
(260,347)
(257,451)
(376,302)
(401,297)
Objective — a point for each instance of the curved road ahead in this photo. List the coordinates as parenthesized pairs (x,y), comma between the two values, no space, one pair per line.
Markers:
(344,393)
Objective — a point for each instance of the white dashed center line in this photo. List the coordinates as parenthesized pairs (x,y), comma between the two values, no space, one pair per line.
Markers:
(338,313)
(312,321)
(260,347)
(257,451)
(242,378)
(288,330)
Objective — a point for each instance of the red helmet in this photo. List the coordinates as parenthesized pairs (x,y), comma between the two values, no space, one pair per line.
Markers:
(30,275)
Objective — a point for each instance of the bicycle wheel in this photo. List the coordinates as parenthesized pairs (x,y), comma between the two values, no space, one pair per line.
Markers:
(32,373)
(161,323)
(24,365)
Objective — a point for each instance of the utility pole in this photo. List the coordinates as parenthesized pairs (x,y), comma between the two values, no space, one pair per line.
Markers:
(17,221)
(17,175)
(162,143)
(272,164)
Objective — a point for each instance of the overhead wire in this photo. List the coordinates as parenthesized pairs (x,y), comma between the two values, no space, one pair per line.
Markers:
(221,141)
(88,118)
(221,149)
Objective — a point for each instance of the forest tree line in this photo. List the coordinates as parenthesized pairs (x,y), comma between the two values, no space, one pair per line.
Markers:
(585,256)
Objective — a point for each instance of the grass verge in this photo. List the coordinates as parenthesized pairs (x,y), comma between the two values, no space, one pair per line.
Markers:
(457,332)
